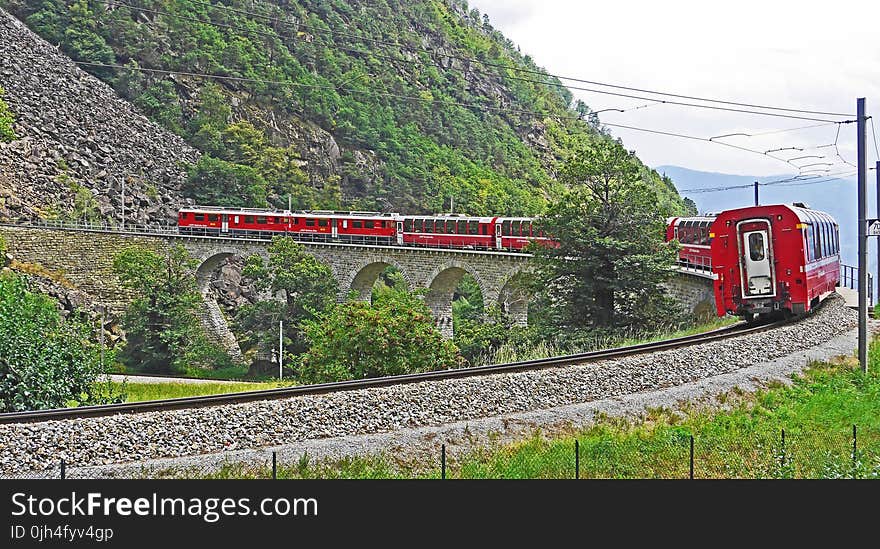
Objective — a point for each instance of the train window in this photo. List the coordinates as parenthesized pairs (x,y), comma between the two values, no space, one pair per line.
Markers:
(407,225)
(248,219)
(369,224)
(473,227)
(515,228)
(310,222)
(213,217)
(200,217)
(357,224)
(505,228)
(756,246)
(818,242)
(323,222)
(294,221)
(825,239)
(808,235)
(261,220)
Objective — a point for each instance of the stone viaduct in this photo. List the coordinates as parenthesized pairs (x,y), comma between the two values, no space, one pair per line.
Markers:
(85,259)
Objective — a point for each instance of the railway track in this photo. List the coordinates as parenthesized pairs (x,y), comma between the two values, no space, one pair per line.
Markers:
(735,330)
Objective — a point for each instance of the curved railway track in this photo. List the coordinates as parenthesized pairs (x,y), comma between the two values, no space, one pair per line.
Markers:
(322,388)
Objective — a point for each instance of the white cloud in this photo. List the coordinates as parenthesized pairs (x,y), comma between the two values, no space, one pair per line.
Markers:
(796,54)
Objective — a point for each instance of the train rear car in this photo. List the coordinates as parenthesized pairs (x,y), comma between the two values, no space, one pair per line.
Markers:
(773,260)
(694,234)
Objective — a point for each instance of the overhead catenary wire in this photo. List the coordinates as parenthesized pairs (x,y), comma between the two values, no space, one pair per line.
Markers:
(423,100)
(499,108)
(506,66)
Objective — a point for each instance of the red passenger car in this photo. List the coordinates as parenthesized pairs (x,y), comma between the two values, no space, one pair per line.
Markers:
(773,260)
(693,234)
(357,227)
(485,233)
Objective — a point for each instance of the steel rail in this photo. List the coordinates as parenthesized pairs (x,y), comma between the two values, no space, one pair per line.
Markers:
(351,385)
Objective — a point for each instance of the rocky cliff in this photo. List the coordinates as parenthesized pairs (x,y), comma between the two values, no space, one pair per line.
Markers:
(79,143)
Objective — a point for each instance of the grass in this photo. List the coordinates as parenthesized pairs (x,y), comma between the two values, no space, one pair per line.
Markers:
(545,349)
(740,436)
(138,392)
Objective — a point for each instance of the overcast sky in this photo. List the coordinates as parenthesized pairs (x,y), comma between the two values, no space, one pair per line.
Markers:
(795,54)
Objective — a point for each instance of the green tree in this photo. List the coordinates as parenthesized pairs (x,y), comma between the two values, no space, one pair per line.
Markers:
(612,256)
(221,183)
(394,335)
(45,360)
(163,331)
(7,132)
(302,286)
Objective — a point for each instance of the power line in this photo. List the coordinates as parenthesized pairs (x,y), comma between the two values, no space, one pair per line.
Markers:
(422,100)
(515,68)
(791,181)
(334,88)
(873,133)
(510,67)
(473,105)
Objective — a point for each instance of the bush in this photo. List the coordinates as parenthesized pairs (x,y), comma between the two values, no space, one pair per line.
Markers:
(45,361)
(7,133)
(355,340)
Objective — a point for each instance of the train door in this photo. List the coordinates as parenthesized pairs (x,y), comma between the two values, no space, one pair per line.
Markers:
(334,223)
(757,266)
(400,233)
(224,228)
(498,235)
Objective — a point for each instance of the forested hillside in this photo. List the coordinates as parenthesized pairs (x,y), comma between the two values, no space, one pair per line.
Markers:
(379,104)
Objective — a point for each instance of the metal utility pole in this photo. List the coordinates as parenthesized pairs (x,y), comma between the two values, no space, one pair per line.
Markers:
(123,203)
(451,205)
(102,336)
(756,193)
(280,348)
(863,232)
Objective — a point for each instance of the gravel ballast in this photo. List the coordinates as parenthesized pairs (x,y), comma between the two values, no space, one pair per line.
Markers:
(227,430)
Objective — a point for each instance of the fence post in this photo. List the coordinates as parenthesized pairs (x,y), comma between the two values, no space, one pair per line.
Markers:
(274,465)
(577,460)
(855,450)
(692,457)
(62,468)
(782,456)
(443,461)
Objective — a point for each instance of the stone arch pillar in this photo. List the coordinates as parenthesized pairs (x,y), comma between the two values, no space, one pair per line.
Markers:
(513,300)
(211,315)
(363,277)
(441,287)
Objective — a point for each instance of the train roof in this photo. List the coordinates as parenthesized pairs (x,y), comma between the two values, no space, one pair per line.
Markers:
(294,213)
(803,213)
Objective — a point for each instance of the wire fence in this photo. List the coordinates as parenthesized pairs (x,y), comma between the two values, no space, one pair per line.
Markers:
(674,454)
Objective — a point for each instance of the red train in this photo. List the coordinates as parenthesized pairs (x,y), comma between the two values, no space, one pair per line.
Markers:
(773,260)
(485,233)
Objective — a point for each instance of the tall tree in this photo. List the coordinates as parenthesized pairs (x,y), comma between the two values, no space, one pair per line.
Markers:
(612,256)
(163,331)
(301,287)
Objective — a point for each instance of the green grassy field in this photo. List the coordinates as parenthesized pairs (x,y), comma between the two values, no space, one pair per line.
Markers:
(740,439)
(138,392)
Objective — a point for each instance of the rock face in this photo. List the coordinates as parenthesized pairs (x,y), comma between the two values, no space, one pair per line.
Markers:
(78,138)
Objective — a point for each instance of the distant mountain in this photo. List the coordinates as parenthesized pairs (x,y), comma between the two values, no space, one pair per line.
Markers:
(838,198)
